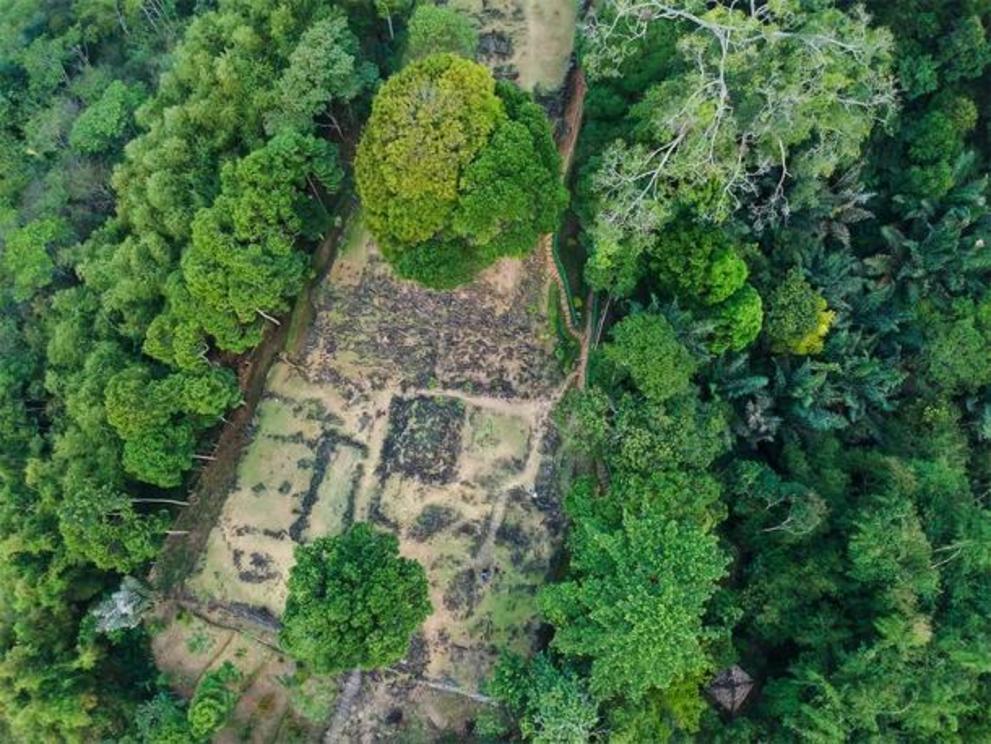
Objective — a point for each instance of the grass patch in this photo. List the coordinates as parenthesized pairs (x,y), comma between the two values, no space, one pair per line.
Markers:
(311,696)
(566,348)
(354,233)
(199,643)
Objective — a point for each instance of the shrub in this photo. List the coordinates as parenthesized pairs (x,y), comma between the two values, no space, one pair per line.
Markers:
(798,318)
(434,29)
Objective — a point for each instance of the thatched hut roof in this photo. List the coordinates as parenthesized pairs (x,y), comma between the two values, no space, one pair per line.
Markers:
(730,689)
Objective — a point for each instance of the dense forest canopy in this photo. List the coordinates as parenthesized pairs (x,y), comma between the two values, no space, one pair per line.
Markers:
(795,499)
(779,434)
(166,167)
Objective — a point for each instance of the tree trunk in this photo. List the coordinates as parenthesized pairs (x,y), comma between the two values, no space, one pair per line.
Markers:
(160,501)
(267,317)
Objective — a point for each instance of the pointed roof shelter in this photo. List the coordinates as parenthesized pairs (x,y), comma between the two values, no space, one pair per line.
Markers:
(730,689)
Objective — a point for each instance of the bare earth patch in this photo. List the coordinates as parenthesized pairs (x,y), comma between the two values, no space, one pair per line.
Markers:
(426,413)
(528,41)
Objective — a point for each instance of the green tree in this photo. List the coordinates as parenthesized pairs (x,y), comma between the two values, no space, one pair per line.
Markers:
(107,121)
(161,456)
(955,353)
(210,394)
(159,442)
(512,192)
(681,432)
(709,132)
(647,348)
(737,320)
(435,29)
(798,317)
(414,148)
(455,180)
(551,705)
(28,257)
(103,527)
(161,720)
(136,403)
(353,601)
(214,701)
(324,67)
(243,265)
(698,264)
(634,601)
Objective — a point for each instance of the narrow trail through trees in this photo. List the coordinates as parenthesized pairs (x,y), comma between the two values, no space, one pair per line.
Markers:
(346,701)
(566,147)
(573,114)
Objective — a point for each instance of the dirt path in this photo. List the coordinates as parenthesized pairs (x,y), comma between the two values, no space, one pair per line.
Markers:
(524,407)
(345,703)
(573,114)
(220,616)
(375,442)
(566,147)
(442,687)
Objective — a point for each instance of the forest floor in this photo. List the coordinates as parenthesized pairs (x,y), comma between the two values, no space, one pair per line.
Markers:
(427,414)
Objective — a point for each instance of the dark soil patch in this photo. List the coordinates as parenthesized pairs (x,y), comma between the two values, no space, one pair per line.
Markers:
(417,656)
(546,496)
(376,515)
(424,439)
(454,340)
(433,519)
(475,531)
(324,450)
(259,568)
(348,518)
(495,45)
(294,438)
(258,615)
(515,538)
(461,595)
(330,442)
(247,529)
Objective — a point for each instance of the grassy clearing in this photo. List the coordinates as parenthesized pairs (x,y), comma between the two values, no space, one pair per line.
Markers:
(271,701)
(355,234)
(545,54)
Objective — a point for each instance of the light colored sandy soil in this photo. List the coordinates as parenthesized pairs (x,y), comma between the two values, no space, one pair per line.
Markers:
(540,34)
(188,646)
